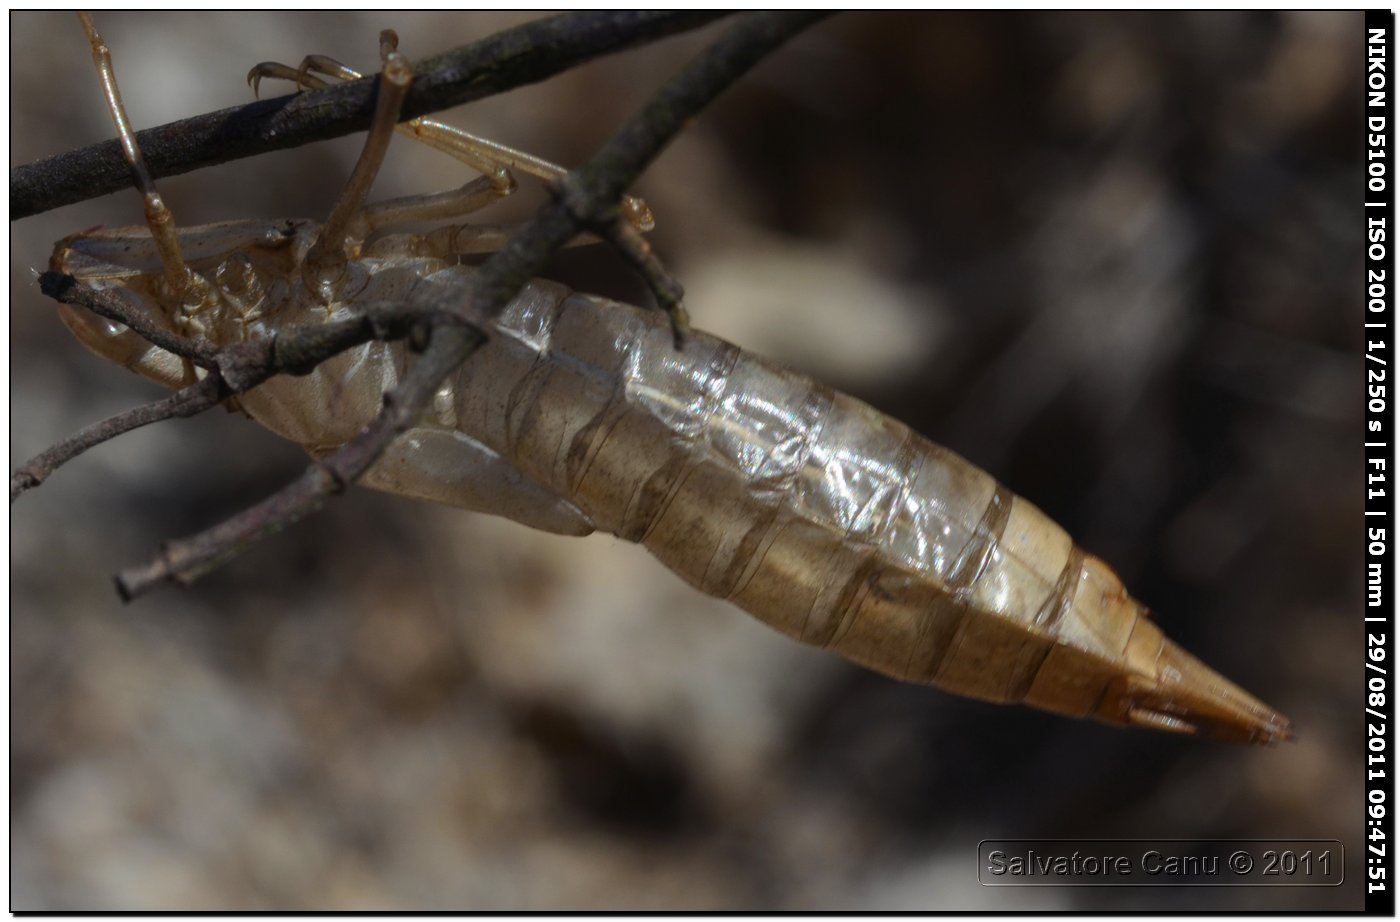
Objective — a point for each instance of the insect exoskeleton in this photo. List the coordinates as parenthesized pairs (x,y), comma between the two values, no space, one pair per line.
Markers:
(805,507)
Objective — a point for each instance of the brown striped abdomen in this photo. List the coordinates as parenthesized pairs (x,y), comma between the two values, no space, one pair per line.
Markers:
(828,520)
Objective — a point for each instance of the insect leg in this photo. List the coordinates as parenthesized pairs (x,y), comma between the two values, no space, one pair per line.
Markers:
(465,146)
(435,206)
(328,257)
(178,279)
(481,154)
(495,182)
(491,159)
(303,77)
(454,240)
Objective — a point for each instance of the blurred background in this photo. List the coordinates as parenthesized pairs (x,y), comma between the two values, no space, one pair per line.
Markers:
(1111,258)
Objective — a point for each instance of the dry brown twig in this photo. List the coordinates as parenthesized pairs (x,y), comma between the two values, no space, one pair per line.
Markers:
(509,59)
(586,200)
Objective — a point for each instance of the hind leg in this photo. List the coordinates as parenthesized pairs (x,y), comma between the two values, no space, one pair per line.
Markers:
(481,154)
(494,161)
(180,284)
(327,264)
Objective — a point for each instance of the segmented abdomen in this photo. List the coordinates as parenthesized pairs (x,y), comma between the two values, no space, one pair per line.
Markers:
(819,515)
(810,510)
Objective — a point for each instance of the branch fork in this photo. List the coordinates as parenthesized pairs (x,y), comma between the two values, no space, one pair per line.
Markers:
(586,200)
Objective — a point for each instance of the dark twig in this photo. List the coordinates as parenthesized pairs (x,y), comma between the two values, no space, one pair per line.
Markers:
(187,560)
(108,303)
(516,57)
(664,287)
(234,369)
(189,401)
(589,198)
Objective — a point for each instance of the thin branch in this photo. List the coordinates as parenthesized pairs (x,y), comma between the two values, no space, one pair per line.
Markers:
(189,401)
(587,198)
(509,59)
(234,369)
(187,560)
(108,303)
(668,292)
